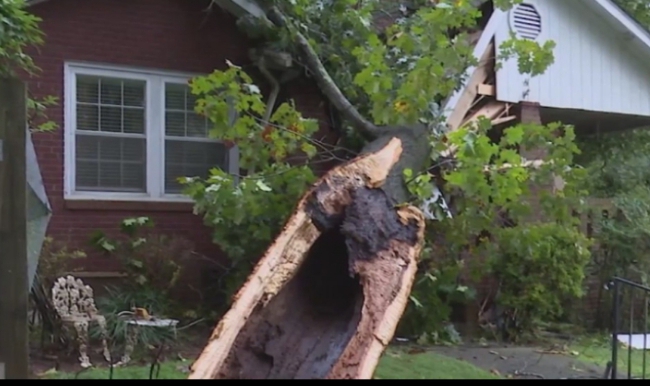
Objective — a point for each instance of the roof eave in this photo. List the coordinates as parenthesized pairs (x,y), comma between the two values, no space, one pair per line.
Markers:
(240,8)
(34,2)
(636,31)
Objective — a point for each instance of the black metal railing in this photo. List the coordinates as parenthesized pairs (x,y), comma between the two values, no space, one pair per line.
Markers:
(629,328)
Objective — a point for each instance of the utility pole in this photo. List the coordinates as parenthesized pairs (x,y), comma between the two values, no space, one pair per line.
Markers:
(14,350)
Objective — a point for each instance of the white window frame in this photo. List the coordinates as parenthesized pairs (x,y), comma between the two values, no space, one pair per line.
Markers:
(154,131)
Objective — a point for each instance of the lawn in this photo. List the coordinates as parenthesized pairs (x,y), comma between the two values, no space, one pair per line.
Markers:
(395,364)
(398,364)
(598,350)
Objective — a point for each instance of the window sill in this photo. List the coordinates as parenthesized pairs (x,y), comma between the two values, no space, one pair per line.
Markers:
(130,205)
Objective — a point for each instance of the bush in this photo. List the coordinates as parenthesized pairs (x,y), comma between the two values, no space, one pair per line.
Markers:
(435,291)
(538,266)
(153,262)
(119,300)
(55,261)
(245,216)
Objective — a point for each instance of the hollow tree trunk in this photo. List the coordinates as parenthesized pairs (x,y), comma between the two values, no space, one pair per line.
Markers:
(325,299)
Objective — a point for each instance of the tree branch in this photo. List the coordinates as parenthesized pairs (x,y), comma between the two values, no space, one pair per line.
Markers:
(324,80)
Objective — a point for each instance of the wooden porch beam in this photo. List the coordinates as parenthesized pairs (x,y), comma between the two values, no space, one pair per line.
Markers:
(486,89)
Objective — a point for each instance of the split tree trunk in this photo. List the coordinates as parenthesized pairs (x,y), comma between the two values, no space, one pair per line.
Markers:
(325,299)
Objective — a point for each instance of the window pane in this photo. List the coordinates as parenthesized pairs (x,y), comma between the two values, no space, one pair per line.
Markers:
(110,164)
(133,120)
(87,150)
(110,174)
(133,93)
(87,117)
(110,104)
(180,118)
(87,175)
(87,89)
(190,101)
(175,124)
(191,159)
(196,126)
(111,91)
(110,119)
(175,96)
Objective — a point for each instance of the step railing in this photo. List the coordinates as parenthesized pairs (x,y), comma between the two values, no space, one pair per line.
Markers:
(629,328)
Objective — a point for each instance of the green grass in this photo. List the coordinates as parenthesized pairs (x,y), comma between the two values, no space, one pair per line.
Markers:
(168,370)
(395,364)
(598,350)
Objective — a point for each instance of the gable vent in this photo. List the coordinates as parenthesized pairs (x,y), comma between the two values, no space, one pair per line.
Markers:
(526,21)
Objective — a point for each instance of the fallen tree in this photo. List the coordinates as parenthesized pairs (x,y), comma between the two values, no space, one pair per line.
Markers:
(325,299)
(326,296)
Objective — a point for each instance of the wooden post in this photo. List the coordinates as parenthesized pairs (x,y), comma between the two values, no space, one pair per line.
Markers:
(14,352)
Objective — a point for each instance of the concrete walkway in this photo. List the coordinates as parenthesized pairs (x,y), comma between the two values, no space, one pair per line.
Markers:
(524,362)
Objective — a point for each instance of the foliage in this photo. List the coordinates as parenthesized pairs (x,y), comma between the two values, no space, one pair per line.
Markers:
(639,9)
(153,262)
(490,186)
(247,211)
(37,113)
(395,75)
(55,261)
(539,266)
(19,31)
(435,292)
(119,300)
(620,168)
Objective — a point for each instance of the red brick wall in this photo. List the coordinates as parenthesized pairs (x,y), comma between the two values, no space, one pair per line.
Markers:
(176,35)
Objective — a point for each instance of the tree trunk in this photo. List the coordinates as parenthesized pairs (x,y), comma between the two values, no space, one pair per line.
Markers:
(325,299)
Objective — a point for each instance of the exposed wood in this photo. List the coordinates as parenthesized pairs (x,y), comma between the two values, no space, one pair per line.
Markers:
(13,230)
(326,297)
(502,120)
(470,92)
(486,89)
(491,111)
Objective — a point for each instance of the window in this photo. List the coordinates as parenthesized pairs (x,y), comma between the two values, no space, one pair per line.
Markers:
(132,134)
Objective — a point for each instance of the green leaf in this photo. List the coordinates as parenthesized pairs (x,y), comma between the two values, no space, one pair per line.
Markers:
(262,186)
(514,135)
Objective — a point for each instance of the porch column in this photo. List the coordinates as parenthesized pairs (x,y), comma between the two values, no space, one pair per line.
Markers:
(530,113)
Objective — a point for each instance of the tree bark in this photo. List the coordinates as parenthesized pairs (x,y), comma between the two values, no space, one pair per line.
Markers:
(325,299)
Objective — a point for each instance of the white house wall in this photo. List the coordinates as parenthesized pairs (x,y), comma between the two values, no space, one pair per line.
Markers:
(594,69)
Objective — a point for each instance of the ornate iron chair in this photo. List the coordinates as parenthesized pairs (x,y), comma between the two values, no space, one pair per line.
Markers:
(74,302)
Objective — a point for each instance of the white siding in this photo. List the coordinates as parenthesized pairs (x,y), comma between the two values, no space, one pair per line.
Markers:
(595,69)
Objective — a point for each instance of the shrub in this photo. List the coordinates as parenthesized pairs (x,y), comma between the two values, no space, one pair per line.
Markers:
(538,266)
(152,261)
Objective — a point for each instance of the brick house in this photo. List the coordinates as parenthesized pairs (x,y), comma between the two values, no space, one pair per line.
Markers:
(597,82)
(127,129)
